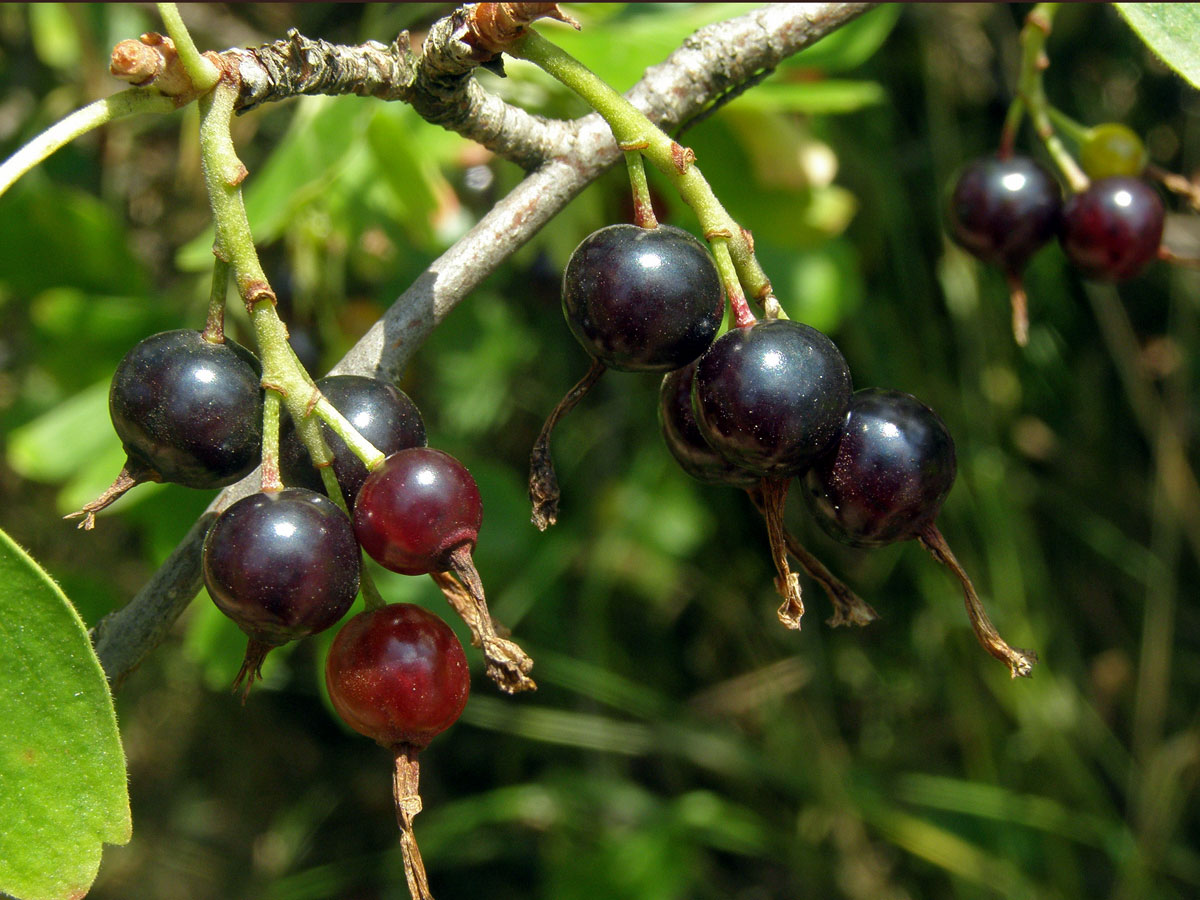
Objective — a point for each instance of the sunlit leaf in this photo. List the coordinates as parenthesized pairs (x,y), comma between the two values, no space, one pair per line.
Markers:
(62,769)
(1171,30)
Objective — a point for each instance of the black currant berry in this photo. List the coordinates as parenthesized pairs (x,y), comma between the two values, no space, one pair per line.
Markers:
(683,438)
(638,300)
(282,565)
(381,413)
(889,472)
(642,299)
(1113,229)
(770,397)
(187,410)
(884,480)
(1004,210)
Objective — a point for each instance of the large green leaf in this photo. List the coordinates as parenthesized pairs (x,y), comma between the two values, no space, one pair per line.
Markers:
(1171,30)
(62,769)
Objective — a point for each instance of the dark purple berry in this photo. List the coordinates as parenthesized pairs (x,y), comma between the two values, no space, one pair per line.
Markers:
(770,397)
(1003,210)
(683,438)
(416,509)
(381,413)
(282,565)
(1113,229)
(889,472)
(188,409)
(642,299)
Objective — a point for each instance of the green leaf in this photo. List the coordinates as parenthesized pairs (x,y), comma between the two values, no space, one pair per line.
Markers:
(62,769)
(1171,30)
(57,444)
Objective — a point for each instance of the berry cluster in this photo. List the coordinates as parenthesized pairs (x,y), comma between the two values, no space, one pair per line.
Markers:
(764,403)
(1003,209)
(286,562)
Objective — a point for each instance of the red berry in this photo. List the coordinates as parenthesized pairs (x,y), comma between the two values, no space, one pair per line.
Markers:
(398,675)
(416,509)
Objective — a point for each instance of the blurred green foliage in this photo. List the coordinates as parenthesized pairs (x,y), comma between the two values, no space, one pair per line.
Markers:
(682,744)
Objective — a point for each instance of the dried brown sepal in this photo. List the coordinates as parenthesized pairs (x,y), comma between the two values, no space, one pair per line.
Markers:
(848,607)
(406,791)
(504,661)
(491,27)
(1020,662)
(543,482)
(774,495)
(1020,308)
(251,670)
(1176,184)
(131,475)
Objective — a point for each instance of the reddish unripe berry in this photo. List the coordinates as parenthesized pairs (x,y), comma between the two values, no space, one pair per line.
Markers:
(416,509)
(398,675)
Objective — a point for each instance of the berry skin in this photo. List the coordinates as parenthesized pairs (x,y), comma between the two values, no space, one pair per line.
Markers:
(642,299)
(889,472)
(1112,149)
(282,565)
(188,409)
(381,413)
(416,509)
(770,397)
(1113,229)
(1004,210)
(683,438)
(398,675)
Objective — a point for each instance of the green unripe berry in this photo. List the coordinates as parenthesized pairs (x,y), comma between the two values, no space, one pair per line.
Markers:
(1112,149)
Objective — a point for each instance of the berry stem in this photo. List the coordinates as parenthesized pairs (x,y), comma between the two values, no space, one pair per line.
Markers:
(223,175)
(271,480)
(1031,97)
(643,208)
(543,483)
(1075,131)
(774,496)
(202,72)
(406,778)
(126,103)
(372,599)
(214,328)
(505,662)
(738,306)
(631,128)
(1019,662)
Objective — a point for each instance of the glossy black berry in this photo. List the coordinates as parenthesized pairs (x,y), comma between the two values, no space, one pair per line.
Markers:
(381,413)
(189,410)
(642,299)
(889,472)
(770,397)
(683,437)
(1003,210)
(1113,229)
(282,565)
